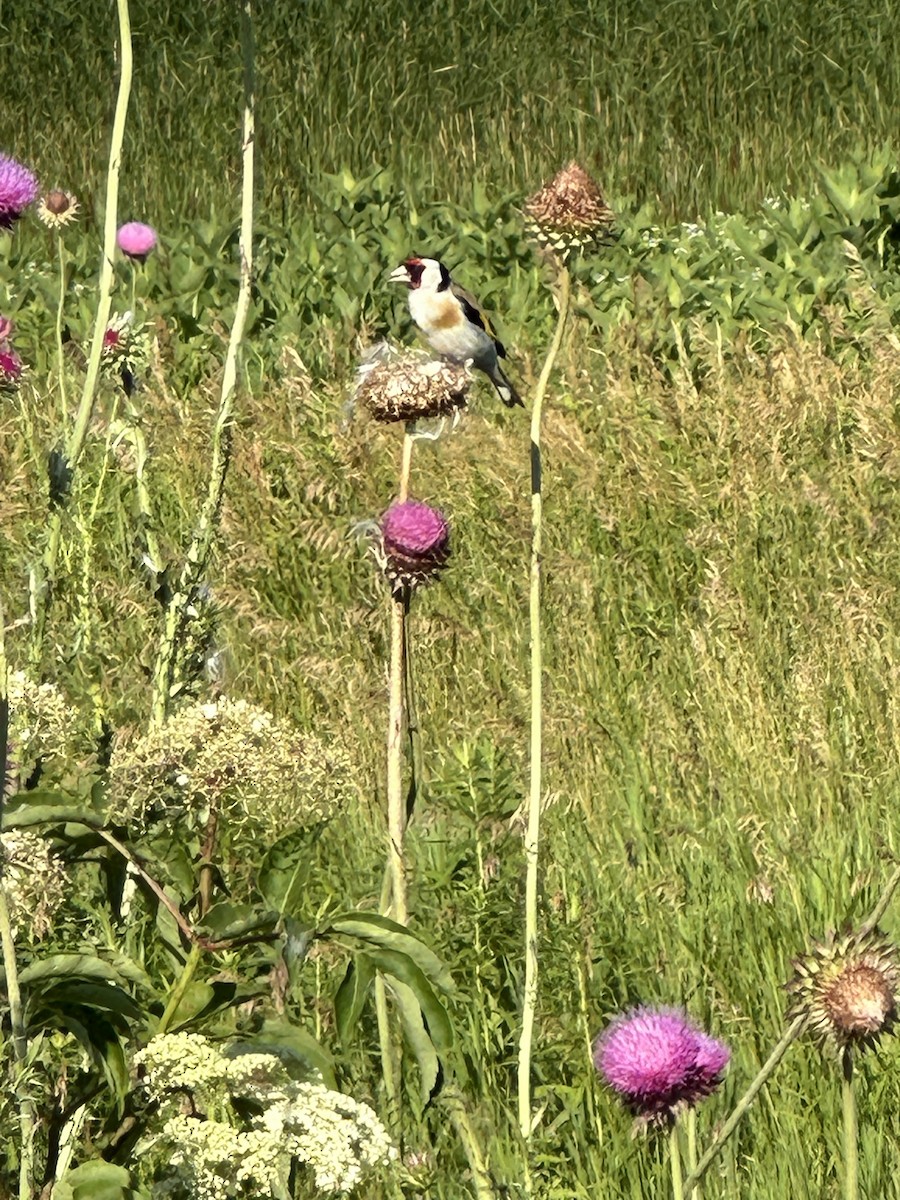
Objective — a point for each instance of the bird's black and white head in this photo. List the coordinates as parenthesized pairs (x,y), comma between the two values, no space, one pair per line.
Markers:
(425,273)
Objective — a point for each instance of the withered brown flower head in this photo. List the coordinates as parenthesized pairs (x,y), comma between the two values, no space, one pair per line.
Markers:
(570,211)
(847,987)
(410,386)
(57,209)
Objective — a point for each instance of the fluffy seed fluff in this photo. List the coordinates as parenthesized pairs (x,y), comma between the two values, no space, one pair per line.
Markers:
(569,212)
(232,757)
(222,1150)
(18,189)
(409,385)
(415,544)
(847,988)
(659,1062)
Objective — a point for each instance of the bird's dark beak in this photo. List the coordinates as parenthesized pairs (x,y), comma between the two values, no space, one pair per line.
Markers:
(399,275)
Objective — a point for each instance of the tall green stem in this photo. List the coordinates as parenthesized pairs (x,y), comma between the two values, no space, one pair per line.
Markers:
(790,1035)
(851,1127)
(27,1111)
(60,308)
(675,1162)
(166,683)
(532,832)
(43,589)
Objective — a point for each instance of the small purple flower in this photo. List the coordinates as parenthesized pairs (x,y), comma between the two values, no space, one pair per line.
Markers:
(657,1060)
(18,189)
(136,240)
(416,543)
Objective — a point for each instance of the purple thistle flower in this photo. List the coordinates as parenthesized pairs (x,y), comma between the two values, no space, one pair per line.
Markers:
(657,1060)
(10,368)
(18,189)
(136,240)
(416,543)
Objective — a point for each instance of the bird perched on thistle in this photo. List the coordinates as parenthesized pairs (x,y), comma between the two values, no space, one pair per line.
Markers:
(453,322)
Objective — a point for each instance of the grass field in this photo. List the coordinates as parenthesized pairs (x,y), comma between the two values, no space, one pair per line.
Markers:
(721,605)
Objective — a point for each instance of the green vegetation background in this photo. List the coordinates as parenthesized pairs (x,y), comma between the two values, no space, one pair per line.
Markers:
(721,554)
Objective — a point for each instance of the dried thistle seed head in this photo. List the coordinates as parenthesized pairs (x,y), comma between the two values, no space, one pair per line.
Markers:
(409,386)
(569,212)
(415,544)
(847,987)
(57,209)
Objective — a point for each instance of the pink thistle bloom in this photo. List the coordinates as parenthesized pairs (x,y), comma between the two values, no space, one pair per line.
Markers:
(136,240)
(658,1061)
(416,543)
(6,328)
(18,189)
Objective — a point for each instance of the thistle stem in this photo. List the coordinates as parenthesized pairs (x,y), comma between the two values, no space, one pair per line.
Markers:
(691,1130)
(789,1036)
(851,1127)
(60,307)
(675,1162)
(532,833)
(166,683)
(43,589)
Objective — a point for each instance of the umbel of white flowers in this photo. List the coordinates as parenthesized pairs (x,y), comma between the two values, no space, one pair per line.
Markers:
(218,1154)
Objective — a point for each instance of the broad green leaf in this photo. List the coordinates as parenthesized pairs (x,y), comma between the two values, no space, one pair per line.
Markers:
(282,873)
(417,1037)
(27,809)
(97,1180)
(104,996)
(228,920)
(391,962)
(381,931)
(351,996)
(68,966)
(297,1049)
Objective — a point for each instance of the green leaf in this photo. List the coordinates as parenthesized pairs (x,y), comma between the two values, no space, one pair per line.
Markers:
(103,996)
(417,1037)
(282,873)
(97,1180)
(297,1049)
(27,809)
(351,996)
(381,931)
(69,966)
(227,920)
(390,962)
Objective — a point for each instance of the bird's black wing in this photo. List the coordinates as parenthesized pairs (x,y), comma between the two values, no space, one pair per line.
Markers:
(477,317)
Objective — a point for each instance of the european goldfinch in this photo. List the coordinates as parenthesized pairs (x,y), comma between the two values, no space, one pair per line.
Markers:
(453,323)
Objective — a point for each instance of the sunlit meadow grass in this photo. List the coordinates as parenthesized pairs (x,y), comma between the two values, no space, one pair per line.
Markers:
(720,565)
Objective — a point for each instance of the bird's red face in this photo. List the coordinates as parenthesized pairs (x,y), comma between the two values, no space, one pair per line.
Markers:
(409,272)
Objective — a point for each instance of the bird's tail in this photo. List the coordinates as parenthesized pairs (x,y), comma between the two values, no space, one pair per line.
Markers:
(505,390)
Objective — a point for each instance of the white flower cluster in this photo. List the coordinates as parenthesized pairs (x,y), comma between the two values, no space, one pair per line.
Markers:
(231,756)
(336,1137)
(35,880)
(220,1161)
(41,721)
